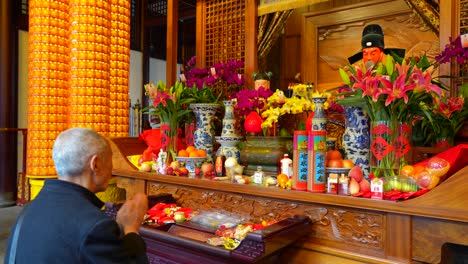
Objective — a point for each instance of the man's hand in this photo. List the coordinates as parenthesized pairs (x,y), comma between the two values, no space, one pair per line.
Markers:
(131,214)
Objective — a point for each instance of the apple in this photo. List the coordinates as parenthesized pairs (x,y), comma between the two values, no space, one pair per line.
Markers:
(146,167)
(207,168)
(179,217)
(170,171)
(183,171)
(175,164)
(356,173)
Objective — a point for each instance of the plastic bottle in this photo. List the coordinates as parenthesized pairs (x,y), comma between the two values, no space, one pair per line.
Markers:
(287,166)
(258,176)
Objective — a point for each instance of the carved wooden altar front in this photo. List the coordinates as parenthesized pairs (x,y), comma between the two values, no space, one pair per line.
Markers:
(345,230)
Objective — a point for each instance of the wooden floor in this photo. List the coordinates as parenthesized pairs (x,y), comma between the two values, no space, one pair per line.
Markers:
(7,219)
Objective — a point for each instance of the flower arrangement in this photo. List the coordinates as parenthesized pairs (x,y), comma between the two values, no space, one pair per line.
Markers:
(392,93)
(249,107)
(269,106)
(171,106)
(449,115)
(453,49)
(300,102)
(223,78)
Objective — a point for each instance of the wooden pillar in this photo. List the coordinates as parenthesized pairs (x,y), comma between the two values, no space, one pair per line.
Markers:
(200,33)
(8,105)
(251,50)
(449,27)
(171,47)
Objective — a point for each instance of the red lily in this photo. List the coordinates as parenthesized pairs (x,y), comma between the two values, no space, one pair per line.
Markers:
(370,87)
(423,82)
(397,90)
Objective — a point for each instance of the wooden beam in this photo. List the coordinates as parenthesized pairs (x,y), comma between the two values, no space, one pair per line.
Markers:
(171,44)
(276,6)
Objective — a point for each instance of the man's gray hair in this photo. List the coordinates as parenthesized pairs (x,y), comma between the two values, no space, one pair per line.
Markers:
(73,149)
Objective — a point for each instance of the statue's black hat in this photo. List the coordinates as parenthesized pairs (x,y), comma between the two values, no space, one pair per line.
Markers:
(373,36)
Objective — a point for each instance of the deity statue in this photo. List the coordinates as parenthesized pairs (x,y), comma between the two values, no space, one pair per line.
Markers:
(373,47)
(262,79)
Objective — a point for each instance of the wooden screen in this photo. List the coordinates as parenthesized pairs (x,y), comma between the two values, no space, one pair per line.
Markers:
(224,31)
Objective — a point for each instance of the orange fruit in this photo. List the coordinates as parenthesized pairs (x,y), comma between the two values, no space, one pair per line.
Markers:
(335,163)
(334,155)
(282,179)
(347,163)
(201,153)
(417,170)
(407,170)
(193,154)
(183,153)
(190,149)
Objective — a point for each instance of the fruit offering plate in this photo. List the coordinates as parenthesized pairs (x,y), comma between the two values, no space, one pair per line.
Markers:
(191,163)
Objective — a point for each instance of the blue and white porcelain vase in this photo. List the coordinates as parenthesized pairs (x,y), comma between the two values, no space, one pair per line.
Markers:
(229,138)
(319,121)
(203,137)
(356,138)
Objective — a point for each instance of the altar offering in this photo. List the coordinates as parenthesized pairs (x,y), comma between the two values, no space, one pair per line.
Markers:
(300,160)
(377,188)
(316,161)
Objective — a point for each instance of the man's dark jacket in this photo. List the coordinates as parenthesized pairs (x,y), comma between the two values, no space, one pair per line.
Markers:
(65,224)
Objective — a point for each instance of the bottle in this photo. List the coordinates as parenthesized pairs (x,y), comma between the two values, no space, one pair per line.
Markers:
(258,176)
(343,185)
(220,169)
(287,166)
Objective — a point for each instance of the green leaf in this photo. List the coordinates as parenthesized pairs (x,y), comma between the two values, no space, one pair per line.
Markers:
(344,77)
(389,65)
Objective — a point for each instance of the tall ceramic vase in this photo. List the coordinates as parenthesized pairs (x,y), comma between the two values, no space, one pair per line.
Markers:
(356,139)
(319,120)
(229,138)
(204,134)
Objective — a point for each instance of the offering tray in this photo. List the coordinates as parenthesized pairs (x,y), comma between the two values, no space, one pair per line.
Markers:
(186,242)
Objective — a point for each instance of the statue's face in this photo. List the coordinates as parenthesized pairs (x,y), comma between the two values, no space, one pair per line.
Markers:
(374,54)
(264,83)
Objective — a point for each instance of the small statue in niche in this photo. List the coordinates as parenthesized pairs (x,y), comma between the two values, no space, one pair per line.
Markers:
(262,79)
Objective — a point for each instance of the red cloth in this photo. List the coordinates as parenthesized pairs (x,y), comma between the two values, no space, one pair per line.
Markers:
(456,156)
(152,138)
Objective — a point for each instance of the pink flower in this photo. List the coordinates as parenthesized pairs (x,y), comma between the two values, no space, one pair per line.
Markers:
(422,80)
(397,90)
(453,104)
(160,98)
(370,87)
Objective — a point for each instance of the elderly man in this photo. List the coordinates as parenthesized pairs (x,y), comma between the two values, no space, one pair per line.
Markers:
(65,223)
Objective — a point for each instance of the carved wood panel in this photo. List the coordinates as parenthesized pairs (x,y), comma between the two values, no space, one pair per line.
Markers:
(339,225)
